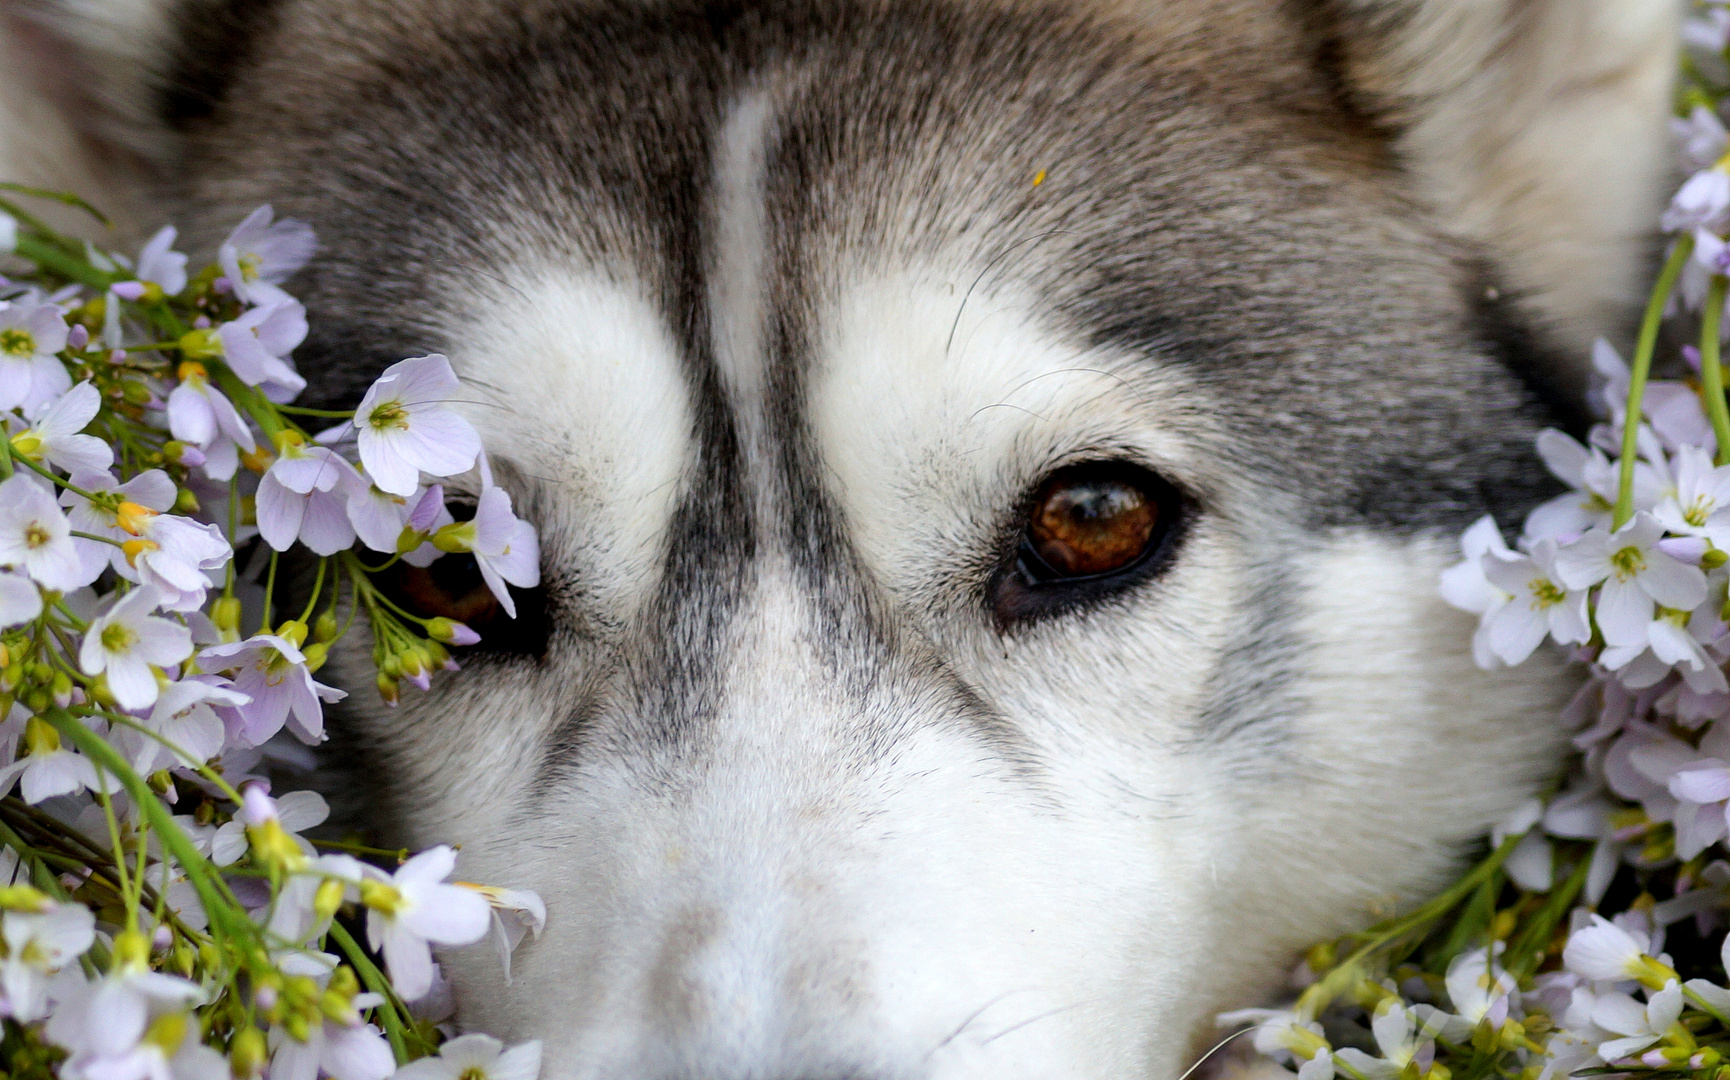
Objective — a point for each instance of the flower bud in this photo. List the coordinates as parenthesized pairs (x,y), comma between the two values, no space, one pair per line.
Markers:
(185,502)
(134,392)
(184,958)
(344,981)
(325,627)
(387,689)
(161,781)
(167,1032)
(316,654)
(200,345)
(247,1053)
(380,896)
(225,613)
(409,539)
(327,899)
(451,632)
(37,698)
(61,685)
(292,631)
(456,538)
(77,337)
(131,951)
(210,956)
(297,1026)
(24,899)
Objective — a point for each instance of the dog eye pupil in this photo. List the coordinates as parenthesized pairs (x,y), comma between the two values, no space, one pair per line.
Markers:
(1084,525)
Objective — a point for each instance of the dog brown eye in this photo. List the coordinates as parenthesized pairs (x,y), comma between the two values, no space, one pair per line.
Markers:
(1092,531)
(450,588)
(1086,522)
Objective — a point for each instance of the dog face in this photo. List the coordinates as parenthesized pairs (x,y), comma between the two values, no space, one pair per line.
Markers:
(992,466)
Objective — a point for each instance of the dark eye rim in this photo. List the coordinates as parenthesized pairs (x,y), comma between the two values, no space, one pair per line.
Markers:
(1026,589)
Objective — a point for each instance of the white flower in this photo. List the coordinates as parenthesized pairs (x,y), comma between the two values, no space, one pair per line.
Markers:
(1395,1030)
(1700,138)
(1640,1025)
(168,1049)
(412,908)
(1701,203)
(259,255)
(477,1057)
(161,264)
(304,496)
(20,600)
(124,643)
(39,944)
(1538,604)
(1699,505)
(404,426)
(1463,584)
(202,416)
(170,554)
(1592,477)
(55,434)
(182,715)
(346,1051)
(505,548)
(295,915)
(1480,990)
(1604,952)
(1635,575)
(1282,1034)
(515,913)
(108,1017)
(294,813)
(151,490)
(48,768)
(272,672)
(36,538)
(30,374)
(378,516)
(257,344)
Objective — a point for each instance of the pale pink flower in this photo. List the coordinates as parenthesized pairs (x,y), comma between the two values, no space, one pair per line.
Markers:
(350,1050)
(404,426)
(202,416)
(54,436)
(20,599)
(126,642)
(477,1057)
(30,373)
(151,489)
(36,538)
(413,908)
(158,262)
(1539,605)
(272,672)
(257,344)
(304,496)
(1635,574)
(259,255)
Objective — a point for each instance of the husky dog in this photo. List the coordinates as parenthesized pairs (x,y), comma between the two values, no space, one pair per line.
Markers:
(993,460)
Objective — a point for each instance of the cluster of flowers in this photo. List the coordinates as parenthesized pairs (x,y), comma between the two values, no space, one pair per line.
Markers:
(1514,971)
(161,917)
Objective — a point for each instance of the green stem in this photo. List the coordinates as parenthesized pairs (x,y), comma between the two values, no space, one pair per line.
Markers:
(1640,369)
(375,981)
(1711,369)
(219,904)
(39,470)
(52,258)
